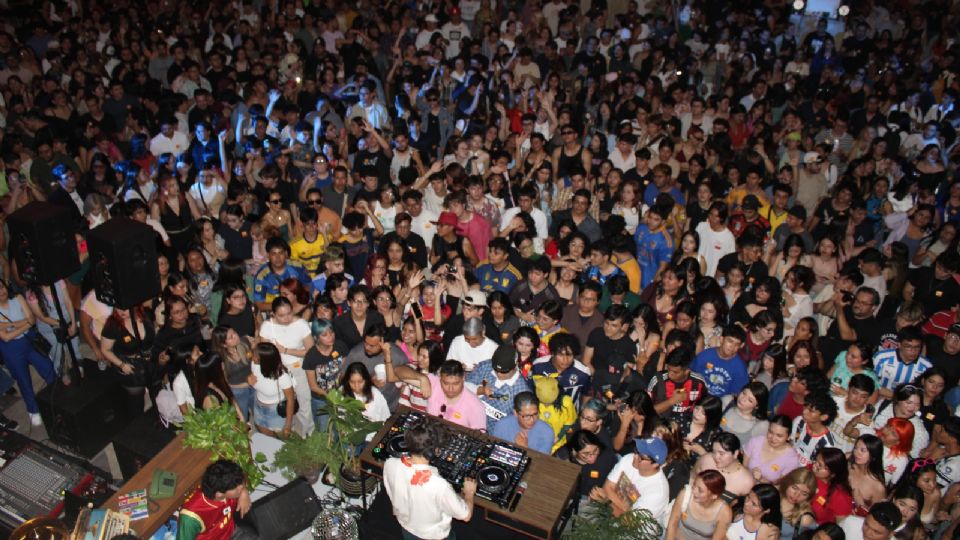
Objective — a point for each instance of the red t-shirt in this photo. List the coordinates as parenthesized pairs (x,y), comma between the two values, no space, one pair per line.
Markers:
(832,507)
(215,517)
(789,407)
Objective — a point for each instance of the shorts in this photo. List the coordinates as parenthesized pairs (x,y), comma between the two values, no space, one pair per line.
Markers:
(266,416)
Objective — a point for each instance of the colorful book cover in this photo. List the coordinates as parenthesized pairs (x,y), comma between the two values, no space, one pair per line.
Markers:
(134,504)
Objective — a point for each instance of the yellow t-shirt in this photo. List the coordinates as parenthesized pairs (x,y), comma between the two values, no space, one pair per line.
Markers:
(308,253)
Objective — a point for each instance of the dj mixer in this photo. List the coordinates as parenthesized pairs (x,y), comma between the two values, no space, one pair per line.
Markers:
(497,466)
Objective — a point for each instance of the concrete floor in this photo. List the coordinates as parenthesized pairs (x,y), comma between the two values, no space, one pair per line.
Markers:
(14,408)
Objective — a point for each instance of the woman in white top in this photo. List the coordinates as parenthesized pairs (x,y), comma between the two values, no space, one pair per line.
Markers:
(291,335)
(358,384)
(761,516)
(629,205)
(209,192)
(272,385)
(182,360)
(797,302)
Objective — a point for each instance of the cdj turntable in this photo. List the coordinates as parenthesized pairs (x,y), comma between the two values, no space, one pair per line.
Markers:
(497,466)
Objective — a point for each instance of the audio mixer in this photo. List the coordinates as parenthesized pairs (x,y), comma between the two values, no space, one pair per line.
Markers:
(497,466)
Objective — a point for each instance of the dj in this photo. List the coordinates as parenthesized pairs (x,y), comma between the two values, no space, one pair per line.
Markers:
(207,514)
(411,480)
(445,394)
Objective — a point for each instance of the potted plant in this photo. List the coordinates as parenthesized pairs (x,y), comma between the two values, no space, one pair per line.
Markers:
(220,431)
(597,521)
(303,456)
(347,429)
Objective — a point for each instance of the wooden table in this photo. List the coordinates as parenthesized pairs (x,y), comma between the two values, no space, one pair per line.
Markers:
(550,486)
(187,463)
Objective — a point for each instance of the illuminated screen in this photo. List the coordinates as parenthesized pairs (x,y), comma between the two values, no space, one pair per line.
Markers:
(505,455)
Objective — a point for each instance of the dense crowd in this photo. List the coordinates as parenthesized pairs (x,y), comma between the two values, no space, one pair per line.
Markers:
(706,250)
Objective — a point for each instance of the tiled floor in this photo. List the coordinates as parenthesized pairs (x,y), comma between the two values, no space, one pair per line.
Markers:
(14,409)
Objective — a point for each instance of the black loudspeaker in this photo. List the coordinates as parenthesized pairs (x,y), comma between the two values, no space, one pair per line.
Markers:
(143,438)
(123,256)
(285,512)
(86,415)
(43,242)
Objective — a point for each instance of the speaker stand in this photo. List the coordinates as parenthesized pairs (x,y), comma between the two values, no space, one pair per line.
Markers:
(75,372)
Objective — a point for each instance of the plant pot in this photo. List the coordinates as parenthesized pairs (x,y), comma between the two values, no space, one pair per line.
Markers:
(311,476)
(351,485)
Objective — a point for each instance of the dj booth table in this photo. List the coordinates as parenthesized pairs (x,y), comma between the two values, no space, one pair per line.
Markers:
(542,508)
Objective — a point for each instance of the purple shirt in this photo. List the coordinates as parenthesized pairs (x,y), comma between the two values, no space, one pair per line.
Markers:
(771,471)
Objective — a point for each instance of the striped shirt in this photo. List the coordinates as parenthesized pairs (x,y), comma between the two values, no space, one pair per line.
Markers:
(892,371)
(807,444)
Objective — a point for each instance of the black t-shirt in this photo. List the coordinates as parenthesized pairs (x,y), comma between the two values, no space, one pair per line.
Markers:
(949,364)
(376,160)
(595,474)
(125,344)
(326,367)
(754,272)
(243,323)
(609,357)
(239,244)
(932,293)
(868,330)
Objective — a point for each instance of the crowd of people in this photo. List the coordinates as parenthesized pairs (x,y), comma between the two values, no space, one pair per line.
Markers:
(708,251)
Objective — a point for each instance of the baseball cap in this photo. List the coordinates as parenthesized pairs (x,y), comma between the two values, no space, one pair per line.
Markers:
(750,202)
(954,329)
(811,157)
(446,218)
(652,448)
(475,298)
(430,18)
(454,11)
(504,359)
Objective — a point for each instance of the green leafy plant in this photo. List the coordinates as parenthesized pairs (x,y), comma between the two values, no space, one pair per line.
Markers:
(302,456)
(346,430)
(220,431)
(597,521)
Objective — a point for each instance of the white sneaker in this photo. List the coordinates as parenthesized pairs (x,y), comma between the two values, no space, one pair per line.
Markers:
(35,420)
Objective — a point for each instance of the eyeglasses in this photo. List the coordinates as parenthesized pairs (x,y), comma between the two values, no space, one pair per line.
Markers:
(319,161)
(588,419)
(275,201)
(589,453)
(314,202)
(921,463)
(568,132)
(359,301)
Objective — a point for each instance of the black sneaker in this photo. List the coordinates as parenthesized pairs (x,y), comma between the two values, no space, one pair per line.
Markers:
(7,423)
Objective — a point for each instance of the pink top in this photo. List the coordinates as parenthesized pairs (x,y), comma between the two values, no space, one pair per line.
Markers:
(478,231)
(466,411)
(771,471)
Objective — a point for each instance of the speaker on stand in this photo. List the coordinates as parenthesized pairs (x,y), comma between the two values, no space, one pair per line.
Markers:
(123,258)
(44,245)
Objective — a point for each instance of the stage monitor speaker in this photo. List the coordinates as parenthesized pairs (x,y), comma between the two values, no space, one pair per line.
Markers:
(86,415)
(285,512)
(123,256)
(143,438)
(43,242)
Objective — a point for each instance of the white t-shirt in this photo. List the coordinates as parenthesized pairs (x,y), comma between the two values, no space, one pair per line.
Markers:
(376,410)
(649,492)
(423,502)
(269,391)
(714,245)
(290,336)
(840,440)
(470,356)
(423,225)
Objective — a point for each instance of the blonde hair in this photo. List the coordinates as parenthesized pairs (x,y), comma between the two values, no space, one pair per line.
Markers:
(802,476)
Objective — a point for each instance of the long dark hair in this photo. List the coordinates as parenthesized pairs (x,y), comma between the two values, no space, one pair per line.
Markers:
(836,462)
(769,499)
(209,370)
(359,369)
(641,403)
(270,365)
(875,450)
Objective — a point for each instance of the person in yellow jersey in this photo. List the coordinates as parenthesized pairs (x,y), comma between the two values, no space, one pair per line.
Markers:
(307,249)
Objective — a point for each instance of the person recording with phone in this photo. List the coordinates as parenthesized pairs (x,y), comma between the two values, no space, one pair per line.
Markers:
(410,480)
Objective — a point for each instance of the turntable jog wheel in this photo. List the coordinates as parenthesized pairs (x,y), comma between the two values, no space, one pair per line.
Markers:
(493,478)
(397,446)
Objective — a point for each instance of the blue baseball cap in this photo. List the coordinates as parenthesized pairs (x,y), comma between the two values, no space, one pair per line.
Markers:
(653,448)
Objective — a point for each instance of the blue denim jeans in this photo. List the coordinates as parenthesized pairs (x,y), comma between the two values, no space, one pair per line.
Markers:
(320,421)
(245,398)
